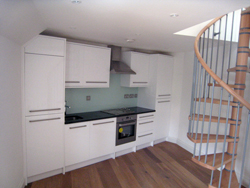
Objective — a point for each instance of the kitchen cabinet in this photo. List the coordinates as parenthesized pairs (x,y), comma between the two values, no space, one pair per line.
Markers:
(102,137)
(44,143)
(162,118)
(145,128)
(76,143)
(138,62)
(87,66)
(43,84)
(46,45)
(158,94)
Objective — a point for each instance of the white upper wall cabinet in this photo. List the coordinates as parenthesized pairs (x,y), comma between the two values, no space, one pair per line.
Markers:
(138,62)
(46,45)
(87,66)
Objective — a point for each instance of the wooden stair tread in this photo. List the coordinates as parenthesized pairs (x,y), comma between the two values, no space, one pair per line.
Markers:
(225,180)
(214,119)
(217,101)
(212,138)
(210,158)
(230,85)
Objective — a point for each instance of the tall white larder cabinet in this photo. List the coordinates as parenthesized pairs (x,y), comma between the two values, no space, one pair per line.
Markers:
(158,93)
(43,104)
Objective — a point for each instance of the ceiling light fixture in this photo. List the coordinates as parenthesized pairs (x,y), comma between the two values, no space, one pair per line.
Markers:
(174,15)
(130,40)
(76,1)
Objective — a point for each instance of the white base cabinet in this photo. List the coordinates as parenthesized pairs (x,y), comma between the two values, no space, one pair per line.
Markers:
(102,137)
(76,143)
(44,143)
(145,128)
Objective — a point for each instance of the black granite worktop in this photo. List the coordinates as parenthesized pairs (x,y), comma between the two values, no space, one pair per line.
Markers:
(96,115)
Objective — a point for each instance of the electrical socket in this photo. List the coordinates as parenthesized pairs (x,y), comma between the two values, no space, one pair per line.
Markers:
(131,96)
(126,96)
(88,98)
(135,95)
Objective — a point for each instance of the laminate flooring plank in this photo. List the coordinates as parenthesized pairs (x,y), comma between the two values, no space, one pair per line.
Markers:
(51,182)
(67,183)
(125,177)
(80,177)
(108,176)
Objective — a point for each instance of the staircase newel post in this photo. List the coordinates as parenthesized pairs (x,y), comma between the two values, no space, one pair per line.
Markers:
(240,78)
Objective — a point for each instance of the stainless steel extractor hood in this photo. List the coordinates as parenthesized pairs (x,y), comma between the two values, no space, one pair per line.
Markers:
(116,65)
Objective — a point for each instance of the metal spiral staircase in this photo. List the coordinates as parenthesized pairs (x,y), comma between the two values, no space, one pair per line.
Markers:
(218,109)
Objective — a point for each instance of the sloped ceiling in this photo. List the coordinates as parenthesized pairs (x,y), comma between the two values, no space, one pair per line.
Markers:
(113,21)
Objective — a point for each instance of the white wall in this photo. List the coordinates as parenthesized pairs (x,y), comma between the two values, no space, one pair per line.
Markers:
(11,154)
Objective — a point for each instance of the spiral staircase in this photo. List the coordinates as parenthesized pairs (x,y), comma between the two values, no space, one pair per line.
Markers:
(218,109)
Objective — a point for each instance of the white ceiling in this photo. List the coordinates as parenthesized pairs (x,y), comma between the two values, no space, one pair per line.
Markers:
(114,21)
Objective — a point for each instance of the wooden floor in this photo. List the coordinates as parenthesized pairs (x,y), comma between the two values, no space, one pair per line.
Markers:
(164,165)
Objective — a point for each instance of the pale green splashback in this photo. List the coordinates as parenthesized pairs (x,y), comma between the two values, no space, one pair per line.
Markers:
(101,98)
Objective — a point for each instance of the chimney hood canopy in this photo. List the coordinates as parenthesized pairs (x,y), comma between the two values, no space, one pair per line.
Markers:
(116,66)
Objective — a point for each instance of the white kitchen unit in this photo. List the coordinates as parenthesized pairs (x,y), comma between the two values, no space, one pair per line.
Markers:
(87,66)
(145,128)
(44,143)
(43,105)
(158,94)
(102,137)
(43,77)
(138,62)
(76,142)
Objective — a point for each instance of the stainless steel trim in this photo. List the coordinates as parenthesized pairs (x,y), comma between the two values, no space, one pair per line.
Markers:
(78,127)
(163,101)
(146,122)
(140,82)
(164,95)
(95,82)
(72,82)
(103,123)
(146,116)
(51,109)
(126,124)
(145,135)
(49,119)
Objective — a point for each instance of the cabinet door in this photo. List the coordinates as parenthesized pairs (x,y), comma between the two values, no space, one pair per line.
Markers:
(76,143)
(46,45)
(140,64)
(44,143)
(96,66)
(74,65)
(102,137)
(44,84)
(162,118)
(164,76)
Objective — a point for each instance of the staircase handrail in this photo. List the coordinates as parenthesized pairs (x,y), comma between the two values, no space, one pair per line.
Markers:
(210,72)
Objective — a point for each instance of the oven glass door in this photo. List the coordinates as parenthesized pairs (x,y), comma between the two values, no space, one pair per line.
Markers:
(126,132)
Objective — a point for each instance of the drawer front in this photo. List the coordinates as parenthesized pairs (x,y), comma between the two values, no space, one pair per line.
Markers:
(145,137)
(143,126)
(145,116)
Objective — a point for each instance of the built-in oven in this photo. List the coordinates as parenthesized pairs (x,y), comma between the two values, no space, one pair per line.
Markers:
(126,129)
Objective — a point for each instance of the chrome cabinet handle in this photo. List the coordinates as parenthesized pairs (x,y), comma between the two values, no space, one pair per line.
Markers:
(49,119)
(140,82)
(78,127)
(164,95)
(103,123)
(146,116)
(68,82)
(126,124)
(51,109)
(163,101)
(145,135)
(95,82)
(146,122)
